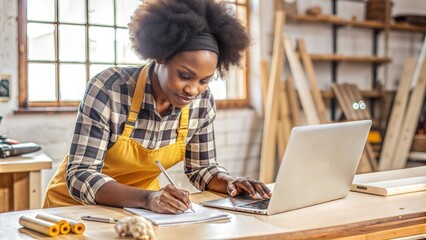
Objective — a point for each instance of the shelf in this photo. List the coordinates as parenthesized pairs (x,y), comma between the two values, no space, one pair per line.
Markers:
(369,24)
(345,58)
(367,94)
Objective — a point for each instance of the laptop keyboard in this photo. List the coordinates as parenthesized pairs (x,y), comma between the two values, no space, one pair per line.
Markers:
(263,204)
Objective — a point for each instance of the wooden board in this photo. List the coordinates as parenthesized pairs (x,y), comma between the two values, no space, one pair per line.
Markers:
(293,102)
(21,182)
(397,115)
(411,118)
(392,182)
(6,192)
(268,151)
(313,82)
(264,77)
(284,122)
(301,84)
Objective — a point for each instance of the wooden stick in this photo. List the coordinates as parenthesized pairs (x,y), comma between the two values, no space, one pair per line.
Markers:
(267,158)
(397,115)
(310,72)
(46,228)
(285,122)
(301,84)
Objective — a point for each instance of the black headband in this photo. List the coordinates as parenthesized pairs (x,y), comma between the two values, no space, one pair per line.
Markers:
(201,41)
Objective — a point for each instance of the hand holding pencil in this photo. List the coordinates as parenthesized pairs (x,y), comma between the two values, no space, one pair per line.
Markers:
(169,199)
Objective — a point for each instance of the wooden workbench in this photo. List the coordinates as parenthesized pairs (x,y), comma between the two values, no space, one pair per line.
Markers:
(358,216)
(20,181)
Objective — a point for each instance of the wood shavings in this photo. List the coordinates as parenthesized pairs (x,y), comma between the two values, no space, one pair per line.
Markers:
(135,226)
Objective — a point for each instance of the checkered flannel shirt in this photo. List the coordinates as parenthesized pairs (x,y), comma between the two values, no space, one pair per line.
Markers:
(100,121)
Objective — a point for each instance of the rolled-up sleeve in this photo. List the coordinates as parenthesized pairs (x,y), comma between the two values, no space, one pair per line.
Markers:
(200,160)
(89,144)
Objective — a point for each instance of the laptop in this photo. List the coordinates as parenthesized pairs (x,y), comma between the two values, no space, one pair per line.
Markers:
(318,166)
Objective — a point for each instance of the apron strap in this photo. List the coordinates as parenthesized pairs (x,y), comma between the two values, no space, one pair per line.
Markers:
(136,101)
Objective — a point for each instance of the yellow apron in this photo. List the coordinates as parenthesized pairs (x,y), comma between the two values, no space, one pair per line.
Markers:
(127,161)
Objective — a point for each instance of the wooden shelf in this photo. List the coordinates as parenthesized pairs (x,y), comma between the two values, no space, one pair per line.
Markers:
(331,19)
(345,58)
(367,94)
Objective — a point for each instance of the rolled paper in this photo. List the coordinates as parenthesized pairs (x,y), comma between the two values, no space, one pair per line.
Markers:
(64,227)
(41,226)
(76,226)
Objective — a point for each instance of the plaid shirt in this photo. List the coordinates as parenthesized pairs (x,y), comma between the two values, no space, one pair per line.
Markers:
(100,121)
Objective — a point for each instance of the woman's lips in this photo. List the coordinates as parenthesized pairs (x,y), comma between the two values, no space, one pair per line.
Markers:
(185,100)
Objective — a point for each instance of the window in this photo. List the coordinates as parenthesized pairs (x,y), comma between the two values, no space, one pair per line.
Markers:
(63,43)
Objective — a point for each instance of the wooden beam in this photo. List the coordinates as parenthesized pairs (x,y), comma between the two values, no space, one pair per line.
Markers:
(301,84)
(397,115)
(268,157)
(411,117)
(313,82)
(293,102)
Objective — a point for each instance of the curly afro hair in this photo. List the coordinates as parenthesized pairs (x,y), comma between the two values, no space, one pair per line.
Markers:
(159,28)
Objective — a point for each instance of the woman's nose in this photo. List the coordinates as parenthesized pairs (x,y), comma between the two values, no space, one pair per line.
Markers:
(191,89)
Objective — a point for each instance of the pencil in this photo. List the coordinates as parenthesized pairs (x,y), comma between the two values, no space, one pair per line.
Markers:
(169,178)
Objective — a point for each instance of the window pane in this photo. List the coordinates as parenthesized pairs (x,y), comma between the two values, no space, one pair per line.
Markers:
(97,68)
(125,9)
(72,11)
(218,88)
(72,81)
(101,12)
(41,44)
(124,52)
(41,10)
(235,87)
(41,82)
(72,43)
(101,44)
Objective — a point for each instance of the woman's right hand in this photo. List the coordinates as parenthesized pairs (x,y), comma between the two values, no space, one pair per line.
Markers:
(169,200)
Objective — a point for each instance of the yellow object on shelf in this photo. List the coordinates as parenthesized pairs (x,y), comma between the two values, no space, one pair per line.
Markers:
(374,137)
(38,225)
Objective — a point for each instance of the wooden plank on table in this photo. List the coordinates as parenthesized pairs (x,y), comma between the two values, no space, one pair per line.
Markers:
(293,102)
(411,118)
(310,72)
(301,84)
(6,192)
(397,116)
(268,151)
(21,196)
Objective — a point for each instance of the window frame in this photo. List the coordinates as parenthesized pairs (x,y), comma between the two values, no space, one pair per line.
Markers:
(71,106)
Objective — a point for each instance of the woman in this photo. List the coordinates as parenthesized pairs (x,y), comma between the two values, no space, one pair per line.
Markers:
(130,117)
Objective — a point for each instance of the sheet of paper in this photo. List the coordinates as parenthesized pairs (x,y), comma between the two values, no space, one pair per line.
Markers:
(202,214)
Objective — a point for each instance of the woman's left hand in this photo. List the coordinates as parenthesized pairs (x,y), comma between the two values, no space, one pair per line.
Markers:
(253,187)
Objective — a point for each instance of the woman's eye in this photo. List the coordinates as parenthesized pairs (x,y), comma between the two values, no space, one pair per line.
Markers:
(183,75)
(205,81)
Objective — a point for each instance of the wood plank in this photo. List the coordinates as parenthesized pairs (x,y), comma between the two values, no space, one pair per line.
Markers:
(411,117)
(345,58)
(293,102)
(343,101)
(6,192)
(35,190)
(284,123)
(268,151)
(305,95)
(363,113)
(264,77)
(396,117)
(351,100)
(21,183)
(310,72)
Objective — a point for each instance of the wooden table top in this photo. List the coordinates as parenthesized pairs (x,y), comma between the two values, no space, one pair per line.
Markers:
(25,163)
(357,213)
